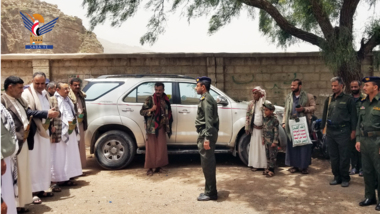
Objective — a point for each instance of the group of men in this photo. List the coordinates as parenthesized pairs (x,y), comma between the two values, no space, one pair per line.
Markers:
(352,124)
(42,139)
(158,118)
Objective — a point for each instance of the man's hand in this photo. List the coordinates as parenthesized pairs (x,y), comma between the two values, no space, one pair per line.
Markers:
(52,113)
(283,125)
(273,145)
(3,167)
(206,145)
(300,109)
(357,146)
(153,108)
(4,208)
(353,135)
(53,129)
(247,132)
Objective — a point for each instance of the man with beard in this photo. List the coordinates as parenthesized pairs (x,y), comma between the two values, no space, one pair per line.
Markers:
(298,104)
(340,117)
(158,121)
(368,140)
(77,97)
(356,163)
(51,88)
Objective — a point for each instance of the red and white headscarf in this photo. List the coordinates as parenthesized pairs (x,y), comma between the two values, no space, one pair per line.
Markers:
(262,92)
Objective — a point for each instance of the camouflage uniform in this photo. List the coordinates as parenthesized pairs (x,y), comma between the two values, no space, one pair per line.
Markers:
(270,135)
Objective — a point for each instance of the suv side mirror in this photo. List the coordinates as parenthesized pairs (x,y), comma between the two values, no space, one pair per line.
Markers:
(221,100)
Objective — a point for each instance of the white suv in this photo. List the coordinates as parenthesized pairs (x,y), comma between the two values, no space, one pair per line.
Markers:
(116,130)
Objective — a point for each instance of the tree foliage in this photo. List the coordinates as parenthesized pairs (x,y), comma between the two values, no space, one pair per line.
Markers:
(327,24)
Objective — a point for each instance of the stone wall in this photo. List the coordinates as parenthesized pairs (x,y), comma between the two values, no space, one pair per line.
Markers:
(236,74)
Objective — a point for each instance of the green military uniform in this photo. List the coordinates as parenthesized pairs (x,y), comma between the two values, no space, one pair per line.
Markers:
(207,125)
(270,135)
(341,121)
(355,155)
(368,134)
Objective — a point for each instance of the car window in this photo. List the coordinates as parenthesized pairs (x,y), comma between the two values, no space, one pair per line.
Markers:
(141,92)
(189,95)
(95,90)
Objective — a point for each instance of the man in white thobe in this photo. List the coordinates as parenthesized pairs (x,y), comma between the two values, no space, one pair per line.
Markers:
(66,162)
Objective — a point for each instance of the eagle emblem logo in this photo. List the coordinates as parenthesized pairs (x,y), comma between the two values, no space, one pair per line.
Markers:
(36,30)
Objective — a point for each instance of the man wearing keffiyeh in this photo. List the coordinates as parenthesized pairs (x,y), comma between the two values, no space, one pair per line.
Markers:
(158,121)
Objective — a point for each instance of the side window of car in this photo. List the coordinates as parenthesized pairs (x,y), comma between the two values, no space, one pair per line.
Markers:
(188,94)
(141,92)
(95,90)
(214,94)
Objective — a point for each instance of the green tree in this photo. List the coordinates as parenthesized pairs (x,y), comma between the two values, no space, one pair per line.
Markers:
(327,24)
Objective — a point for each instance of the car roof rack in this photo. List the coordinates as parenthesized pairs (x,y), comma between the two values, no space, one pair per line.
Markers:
(145,75)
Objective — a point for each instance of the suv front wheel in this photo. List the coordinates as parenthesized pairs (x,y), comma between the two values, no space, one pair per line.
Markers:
(114,150)
(243,148)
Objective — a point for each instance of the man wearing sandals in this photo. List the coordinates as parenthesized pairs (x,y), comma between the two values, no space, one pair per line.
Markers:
(158,122)
(340,117)
(25,130)
(39,157)
(65,156)
(298,104)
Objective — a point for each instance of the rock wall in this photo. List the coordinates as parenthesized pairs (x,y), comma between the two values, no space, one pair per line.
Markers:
(68,35)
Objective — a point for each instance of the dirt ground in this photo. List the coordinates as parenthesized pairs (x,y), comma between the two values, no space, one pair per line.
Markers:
(240,190)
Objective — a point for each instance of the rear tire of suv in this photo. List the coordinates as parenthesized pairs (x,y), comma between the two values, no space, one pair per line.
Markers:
(243,146)
(114,150)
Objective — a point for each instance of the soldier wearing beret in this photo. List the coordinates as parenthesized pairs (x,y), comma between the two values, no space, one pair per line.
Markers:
(270,137)
(207,125)
(368,140)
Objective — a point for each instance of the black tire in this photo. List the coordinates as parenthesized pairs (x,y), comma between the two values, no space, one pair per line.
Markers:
(123,150)
(243,145)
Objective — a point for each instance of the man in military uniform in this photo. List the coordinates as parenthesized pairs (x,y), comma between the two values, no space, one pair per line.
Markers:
(207,125)
(368,140)
(356,163)
(340,117)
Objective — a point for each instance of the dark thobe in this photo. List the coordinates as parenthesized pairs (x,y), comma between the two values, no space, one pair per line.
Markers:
(207,125)
(368,134)
(299,156)
(341,121)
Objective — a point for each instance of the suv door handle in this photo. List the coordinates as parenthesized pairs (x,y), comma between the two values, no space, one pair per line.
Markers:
(126,110)
(184,111)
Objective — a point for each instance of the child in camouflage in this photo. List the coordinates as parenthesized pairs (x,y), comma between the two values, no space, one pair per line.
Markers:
(270,137)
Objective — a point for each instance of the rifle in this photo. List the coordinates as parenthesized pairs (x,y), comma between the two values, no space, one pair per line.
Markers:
(327,116)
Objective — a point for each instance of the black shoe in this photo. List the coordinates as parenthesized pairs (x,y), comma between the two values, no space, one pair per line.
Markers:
(345,184)
(203,197)
(378,207)
(335,182)
(368,202)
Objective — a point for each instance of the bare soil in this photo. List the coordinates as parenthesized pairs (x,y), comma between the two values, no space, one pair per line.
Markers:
(240,190)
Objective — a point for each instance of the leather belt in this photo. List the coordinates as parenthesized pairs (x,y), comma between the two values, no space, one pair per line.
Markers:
(370,134)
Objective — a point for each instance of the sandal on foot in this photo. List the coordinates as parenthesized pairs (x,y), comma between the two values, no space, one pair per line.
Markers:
(55,188)
(305,171)
(22,210)
(149,172)
(68,183)
(293,170)
(270,174)
(254,169)
(36,200)
(160,170)
(265,172)
(44,194)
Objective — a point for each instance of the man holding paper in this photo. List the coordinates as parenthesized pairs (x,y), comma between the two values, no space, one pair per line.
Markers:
(298,104)
(340,117)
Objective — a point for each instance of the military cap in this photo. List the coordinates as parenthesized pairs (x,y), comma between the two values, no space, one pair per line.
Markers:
(269,105)
(371,79)
(205,79)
